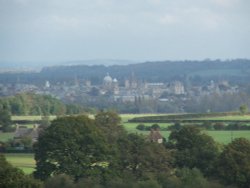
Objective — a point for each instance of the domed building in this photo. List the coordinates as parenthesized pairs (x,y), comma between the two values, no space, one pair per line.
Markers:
(107,82)
(107,79)
(110,84)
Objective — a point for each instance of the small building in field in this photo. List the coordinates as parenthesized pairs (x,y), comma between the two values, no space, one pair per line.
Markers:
(23,131)
(155,136)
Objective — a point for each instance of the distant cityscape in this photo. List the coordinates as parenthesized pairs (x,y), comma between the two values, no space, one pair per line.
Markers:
(128,91)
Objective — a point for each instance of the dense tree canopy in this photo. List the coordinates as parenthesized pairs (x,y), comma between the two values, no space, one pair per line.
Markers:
(110,124)
(85,148)
(77,151)
(71,145)
(5,120)
(11,177)
(234,163)
(142,158)
(194,149)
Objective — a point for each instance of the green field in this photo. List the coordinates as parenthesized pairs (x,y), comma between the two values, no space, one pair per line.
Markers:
(220,136)
(226,137)
(25,161)
(223,137)
(6,136)
(30,118)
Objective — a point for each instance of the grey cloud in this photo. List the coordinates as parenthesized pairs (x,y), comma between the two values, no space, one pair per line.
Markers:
(130,29)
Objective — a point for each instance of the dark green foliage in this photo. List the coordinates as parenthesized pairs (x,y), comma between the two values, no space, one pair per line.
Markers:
(176,126)
(142,159)
(237,126)
(140,127)
(194,149)
(110,124)
(155,126)
(91,182)
(234,163)
(106,119)
(191,178)
(219,126)
(99,153)
(71,145)
(186,178)
(207,125)
(5,120)
(60,181)
(180,117)
(148,184)
(45,122)
(143,127)
(74,109)
(11,177)
(99,149)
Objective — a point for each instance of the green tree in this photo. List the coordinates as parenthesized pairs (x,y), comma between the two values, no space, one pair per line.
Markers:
(142,159)
(110,124)
(234,163)
(45,122)
(194,149)
(60,181)
(11,177)
(5,120)
(72,146)
(32,104)
(243,109)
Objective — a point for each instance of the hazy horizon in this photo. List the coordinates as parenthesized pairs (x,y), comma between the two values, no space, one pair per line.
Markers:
(51,31)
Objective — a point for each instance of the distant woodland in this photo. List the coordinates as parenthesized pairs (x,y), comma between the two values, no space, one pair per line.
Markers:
(33,104)
(195,72)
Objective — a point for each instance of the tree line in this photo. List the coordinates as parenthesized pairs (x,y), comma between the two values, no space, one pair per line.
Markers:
(206,125)
(34,104)
(76,151)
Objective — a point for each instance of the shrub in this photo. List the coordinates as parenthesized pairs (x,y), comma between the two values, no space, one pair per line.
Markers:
(219,126)
(155,126)
(140,127)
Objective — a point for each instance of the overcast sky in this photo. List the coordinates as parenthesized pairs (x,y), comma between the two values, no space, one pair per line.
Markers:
(62,30)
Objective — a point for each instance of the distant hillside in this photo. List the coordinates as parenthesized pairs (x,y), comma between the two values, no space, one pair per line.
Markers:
(162,71)
(236,71)
(11,66)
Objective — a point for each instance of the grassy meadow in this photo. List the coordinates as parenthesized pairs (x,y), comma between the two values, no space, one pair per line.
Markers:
(24,161)
(6,136)
(221,136)
(30,118)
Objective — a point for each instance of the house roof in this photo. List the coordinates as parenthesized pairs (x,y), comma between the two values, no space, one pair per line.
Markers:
(26,132)
(155,135)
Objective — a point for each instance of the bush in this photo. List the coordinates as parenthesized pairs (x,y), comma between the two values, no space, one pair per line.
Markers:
(155,126)
(176,126)
(140,127)
(219,126)
(207,125)
(59,181)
